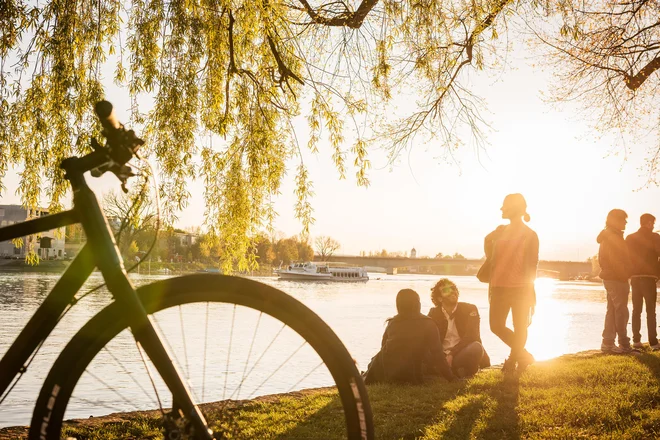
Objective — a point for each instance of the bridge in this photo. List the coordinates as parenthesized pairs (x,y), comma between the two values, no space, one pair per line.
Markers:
(565,269)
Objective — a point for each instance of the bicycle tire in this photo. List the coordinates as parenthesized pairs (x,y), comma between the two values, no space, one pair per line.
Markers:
(72,362)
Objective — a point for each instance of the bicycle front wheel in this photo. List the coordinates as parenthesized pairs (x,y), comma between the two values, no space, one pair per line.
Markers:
(235,341)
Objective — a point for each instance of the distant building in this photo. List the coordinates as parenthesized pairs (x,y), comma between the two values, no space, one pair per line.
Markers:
(47,245)
(75,239)
(114,223)
(413,253)
(185,239)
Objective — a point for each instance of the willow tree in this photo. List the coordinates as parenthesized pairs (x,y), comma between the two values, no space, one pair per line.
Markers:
(222,81)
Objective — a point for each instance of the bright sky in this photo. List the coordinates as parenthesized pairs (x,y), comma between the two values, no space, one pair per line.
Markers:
(545,152)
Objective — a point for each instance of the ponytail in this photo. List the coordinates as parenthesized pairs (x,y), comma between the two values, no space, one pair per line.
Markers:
(526,218)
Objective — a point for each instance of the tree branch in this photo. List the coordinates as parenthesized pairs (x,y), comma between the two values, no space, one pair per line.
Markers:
(346,18)
(285,72)
(232,62)
(633,82)
(469,45)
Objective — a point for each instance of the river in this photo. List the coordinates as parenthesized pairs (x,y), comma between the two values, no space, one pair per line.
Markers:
(569,318)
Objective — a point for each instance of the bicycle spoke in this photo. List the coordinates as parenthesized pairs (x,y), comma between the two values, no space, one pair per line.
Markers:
(305,376)
(121,396)
(206,334)
(247,361)
(231,336)
(258,360)
(129,374)
(93,404)
(278,368)
(162,337)
(172,352)
(151,378)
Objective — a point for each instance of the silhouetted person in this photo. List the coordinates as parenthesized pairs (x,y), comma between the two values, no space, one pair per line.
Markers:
(513,250)
(644,250)
(458,323)
(409,339)
(615,271)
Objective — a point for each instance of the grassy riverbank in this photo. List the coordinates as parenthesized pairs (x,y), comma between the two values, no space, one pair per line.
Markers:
(586,395)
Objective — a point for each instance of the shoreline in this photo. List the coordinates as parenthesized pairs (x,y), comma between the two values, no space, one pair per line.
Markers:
(121,417)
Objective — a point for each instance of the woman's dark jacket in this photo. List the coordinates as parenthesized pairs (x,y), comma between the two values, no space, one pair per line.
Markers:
(407,342)
(467,320)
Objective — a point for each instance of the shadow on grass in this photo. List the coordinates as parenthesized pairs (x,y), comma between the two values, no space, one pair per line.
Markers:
(326,423)
(498,417)
(464,419)
(651,362)
(484,408)
(399,412)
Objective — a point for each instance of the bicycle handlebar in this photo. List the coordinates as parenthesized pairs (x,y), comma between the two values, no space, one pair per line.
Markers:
(120,147)
(122,144)
(107,116)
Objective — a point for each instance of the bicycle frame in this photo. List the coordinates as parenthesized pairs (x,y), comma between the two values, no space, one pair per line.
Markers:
(99,251)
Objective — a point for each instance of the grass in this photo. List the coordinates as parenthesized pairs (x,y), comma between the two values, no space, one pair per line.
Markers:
(587,395)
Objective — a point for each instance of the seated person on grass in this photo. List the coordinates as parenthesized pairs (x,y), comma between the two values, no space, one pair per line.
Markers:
(409,339)
(458,323)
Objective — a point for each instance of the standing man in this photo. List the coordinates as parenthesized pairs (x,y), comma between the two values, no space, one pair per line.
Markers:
(644,250)
(458,324)
(615,271)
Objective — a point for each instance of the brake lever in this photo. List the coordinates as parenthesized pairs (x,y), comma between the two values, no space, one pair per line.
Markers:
(124,145)
(123,173)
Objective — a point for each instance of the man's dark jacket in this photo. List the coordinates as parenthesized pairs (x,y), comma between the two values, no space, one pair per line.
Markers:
(408,341)
(613,255)
(643,248)
(466,318)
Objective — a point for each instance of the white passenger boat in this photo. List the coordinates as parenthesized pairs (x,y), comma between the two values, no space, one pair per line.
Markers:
(309,271)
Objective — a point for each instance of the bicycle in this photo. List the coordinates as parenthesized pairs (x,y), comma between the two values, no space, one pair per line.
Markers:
(132,318)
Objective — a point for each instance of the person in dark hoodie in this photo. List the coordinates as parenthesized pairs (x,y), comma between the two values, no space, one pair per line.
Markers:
(458,323)
(615,271)
(644,251)
(409,339)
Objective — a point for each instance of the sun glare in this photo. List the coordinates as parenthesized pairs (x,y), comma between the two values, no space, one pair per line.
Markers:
(548,331)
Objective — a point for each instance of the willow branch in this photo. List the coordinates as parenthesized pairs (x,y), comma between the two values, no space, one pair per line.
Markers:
(346,18)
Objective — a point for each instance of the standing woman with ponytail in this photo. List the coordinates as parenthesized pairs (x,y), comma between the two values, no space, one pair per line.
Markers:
(513,251)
